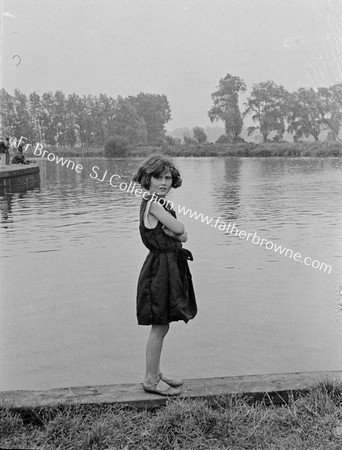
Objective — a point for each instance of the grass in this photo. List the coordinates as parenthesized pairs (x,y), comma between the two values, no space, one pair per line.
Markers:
(283,149)
(306,421)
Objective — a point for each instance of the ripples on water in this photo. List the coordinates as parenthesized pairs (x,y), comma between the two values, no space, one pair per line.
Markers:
(71,255)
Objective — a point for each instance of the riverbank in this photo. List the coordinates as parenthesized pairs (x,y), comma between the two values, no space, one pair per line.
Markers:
(310,419)
(285,149)
(249,150)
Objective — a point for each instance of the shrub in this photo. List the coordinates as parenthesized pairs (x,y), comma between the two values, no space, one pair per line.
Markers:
(239,140)
(116,146)
(223,139)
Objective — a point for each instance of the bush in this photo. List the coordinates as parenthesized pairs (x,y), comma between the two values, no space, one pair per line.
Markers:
(116,147)
(239,140)
(223,139)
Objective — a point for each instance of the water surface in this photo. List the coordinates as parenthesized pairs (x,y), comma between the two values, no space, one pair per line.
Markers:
(71,255)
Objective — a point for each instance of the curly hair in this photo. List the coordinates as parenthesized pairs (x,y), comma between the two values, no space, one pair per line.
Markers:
(154,166)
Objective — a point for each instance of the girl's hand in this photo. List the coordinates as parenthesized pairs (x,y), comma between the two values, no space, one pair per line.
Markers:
(183,237)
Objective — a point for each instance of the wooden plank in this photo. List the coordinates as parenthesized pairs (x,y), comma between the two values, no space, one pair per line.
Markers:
(134,395)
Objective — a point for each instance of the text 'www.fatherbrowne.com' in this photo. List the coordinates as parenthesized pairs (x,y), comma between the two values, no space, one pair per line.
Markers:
(231,229)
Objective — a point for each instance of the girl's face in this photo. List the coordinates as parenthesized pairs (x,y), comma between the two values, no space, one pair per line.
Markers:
(161,184)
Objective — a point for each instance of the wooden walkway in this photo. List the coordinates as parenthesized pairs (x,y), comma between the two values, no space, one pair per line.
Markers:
(134,395)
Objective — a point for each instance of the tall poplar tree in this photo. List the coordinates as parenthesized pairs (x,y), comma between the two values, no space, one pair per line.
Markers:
(226,105)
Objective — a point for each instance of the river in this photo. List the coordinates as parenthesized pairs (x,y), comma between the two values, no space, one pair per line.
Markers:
(71,255)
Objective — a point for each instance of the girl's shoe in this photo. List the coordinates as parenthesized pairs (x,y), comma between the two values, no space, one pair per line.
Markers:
(174,382)
(153,388)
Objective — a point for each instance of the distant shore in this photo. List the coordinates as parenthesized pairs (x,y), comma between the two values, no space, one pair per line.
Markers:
(247,150)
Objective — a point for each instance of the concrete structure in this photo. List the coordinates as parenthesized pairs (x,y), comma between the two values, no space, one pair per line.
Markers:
(18,178)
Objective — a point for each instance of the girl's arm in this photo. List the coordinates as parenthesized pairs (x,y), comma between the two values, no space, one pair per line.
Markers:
(179,237)
(166,218)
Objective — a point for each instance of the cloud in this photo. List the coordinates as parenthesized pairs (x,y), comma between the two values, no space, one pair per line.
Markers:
(7,14)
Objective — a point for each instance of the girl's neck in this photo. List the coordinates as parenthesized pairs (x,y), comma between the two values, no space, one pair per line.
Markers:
(155,195)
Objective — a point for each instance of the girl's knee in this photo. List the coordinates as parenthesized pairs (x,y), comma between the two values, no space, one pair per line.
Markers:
(161,330)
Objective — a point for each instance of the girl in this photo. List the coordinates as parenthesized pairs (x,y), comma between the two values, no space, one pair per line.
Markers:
(165,291)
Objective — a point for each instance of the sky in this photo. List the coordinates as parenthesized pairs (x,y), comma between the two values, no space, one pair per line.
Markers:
(179,48)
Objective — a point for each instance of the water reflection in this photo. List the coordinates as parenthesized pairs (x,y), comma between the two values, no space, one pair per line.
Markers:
(227,189)
(6,206)
(22,185)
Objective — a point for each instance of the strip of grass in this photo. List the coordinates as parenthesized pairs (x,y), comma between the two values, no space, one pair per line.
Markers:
(285,149)
(311,420)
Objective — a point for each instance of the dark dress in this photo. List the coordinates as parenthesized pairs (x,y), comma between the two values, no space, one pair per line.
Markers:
(165,291)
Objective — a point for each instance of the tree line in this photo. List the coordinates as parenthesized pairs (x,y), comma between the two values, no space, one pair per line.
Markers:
(274,110)
(55,119)
(88,121)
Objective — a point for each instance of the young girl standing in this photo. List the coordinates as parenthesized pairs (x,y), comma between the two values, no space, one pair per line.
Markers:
(165,292)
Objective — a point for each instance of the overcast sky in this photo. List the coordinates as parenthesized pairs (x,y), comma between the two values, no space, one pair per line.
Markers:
(180,48)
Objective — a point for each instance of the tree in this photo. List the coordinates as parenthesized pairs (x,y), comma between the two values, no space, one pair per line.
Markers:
(171,141)
(156,112)
(306,116)
(199,135)
(7,113)
(48,124)
(21,115)
(80,119)
(15,118)
(127,123)
(103,117)
(187,137)
(226,106)
(59,113)
(36,116)
(330,102)
(268,104)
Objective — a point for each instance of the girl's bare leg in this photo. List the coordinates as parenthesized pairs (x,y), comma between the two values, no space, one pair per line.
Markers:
(153,351)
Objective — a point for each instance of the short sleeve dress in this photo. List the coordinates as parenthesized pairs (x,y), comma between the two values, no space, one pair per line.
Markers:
(165,291)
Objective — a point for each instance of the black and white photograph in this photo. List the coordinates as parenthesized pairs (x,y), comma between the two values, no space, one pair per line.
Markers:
(171,224)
